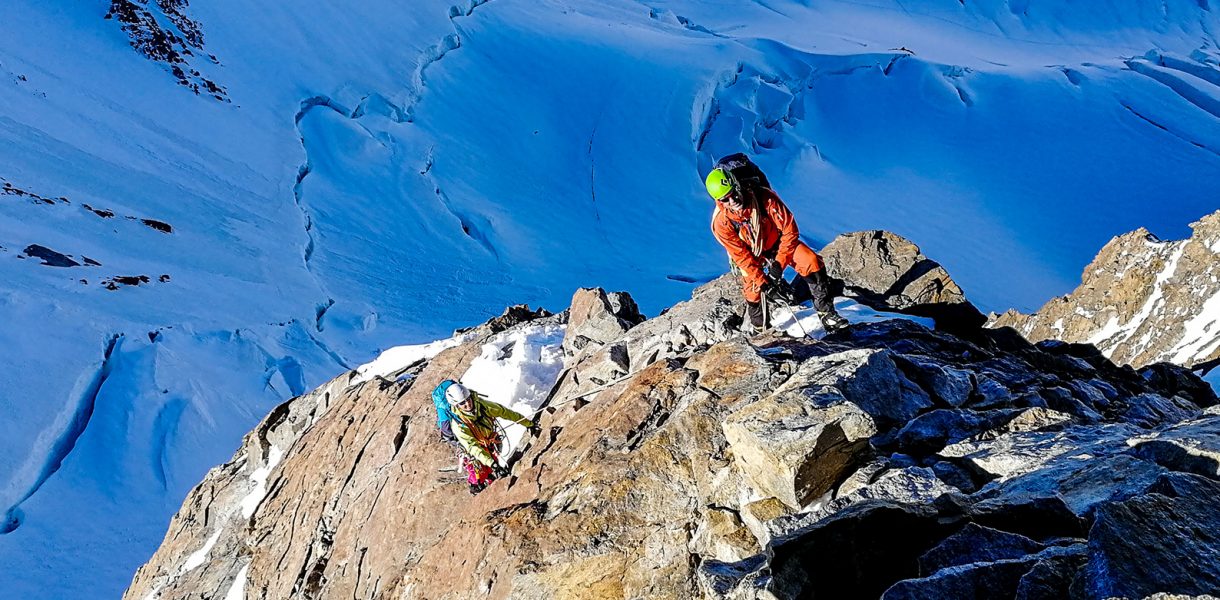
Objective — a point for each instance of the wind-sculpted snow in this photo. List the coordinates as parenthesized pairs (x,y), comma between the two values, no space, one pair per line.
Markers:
(56,450)
(471,155)
(807,115)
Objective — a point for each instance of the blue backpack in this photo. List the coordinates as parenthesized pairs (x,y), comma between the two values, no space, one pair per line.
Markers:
(442,404)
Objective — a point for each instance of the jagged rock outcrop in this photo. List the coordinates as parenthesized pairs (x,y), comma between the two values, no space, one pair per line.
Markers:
(889,272)
(596,319)
(173,44)
(886,460)
(795,448)
(712,314)
(1141,301)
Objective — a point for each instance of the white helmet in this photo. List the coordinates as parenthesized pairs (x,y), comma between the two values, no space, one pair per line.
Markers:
(456,394)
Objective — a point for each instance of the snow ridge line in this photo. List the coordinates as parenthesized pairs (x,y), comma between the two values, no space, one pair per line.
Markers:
(432,55)
(1162,73)
(1169,131)
(436,52)
(657,14)
(297,195)
(66,441)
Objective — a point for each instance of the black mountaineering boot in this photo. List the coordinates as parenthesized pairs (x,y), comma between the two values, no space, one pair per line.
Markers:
(832,321)
(823,302)
(754,316)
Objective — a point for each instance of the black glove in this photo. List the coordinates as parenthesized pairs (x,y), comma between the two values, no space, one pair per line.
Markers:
(779,292)
(771,269)
(535,429)
(501,472)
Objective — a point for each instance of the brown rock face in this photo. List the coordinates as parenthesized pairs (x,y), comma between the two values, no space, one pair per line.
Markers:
(711,315)
(684,478)
(356,504)
(1141,301)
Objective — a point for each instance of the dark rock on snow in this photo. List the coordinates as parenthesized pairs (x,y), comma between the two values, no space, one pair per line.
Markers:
(49,257)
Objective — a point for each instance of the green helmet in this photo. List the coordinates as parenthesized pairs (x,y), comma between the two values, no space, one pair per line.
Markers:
(718,183)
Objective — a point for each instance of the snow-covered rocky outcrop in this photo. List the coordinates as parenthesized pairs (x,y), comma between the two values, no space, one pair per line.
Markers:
(1142,300)
(680,458)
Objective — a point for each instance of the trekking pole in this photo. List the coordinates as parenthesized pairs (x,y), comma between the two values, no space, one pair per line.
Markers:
(791,311)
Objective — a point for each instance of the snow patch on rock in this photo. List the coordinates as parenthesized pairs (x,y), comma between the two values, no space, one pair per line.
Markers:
(401,357)
(200,555)
(1202,332)
(237,591)
(518,368)
(807,323)
(259,479)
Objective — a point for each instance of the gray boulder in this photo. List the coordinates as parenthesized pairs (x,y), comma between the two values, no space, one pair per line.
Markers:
(1150,410)
(976,543)
(1052,575)
(889,272)
(948,386)
(981,580)
(1171,380)
(909,485)
(975,581)
(1167,540)
(796,450)
(868,378)
(934,430)
(1192,448)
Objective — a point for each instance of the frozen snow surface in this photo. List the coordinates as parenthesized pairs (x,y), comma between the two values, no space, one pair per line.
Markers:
(401,357)
(379,173)
(804,322)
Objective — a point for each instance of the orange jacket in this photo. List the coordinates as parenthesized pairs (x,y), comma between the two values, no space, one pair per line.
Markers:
(778,227)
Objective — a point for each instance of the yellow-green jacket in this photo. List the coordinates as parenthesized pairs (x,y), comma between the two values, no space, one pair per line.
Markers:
(476,430)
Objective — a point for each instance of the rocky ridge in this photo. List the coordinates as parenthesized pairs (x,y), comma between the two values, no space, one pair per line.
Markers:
(164,33)
(1142,300)
(682,459)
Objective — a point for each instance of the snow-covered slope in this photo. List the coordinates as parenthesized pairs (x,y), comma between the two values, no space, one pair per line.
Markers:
(376,173)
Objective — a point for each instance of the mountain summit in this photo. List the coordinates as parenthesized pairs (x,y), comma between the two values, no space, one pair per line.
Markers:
(1142,300)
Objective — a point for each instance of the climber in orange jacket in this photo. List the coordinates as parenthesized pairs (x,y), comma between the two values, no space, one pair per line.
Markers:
(761,237)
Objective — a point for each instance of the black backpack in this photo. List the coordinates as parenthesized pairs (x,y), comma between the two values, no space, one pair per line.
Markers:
(746,175)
